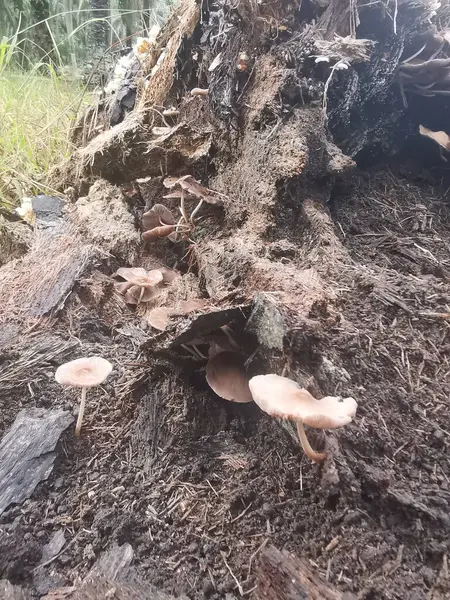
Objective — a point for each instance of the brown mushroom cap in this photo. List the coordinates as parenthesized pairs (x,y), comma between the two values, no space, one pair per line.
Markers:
(227,377)
(140,277)
(137,294)
(184,307)
(123,286)
(440,137)
(169,275)
(159,318)
(283,398)
(84,372)
(160,232)
(157,216)
(194,188)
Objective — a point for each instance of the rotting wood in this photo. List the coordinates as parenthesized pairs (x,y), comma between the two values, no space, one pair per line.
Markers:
(283,576)
(113,563)
(27,452)
(40,282)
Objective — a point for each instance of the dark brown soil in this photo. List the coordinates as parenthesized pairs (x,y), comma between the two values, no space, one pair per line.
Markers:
(198,486)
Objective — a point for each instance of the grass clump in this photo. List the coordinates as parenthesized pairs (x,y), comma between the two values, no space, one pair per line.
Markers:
(37,111)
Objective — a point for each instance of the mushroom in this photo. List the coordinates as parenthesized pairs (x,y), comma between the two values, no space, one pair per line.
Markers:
(83,373)
(194,188)
(283,398)
(158,215)
(440,137)
(160,232)
(159,222)
(227,377)
(140,285)
(159,318)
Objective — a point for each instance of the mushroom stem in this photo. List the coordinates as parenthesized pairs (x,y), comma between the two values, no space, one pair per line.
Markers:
(81,412)
(183,209)
(318,457)
(195,211)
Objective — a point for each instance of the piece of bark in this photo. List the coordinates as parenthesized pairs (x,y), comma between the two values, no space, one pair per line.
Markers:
(27,452)
(113,563)
(283,576)
(12,592)
(54,546)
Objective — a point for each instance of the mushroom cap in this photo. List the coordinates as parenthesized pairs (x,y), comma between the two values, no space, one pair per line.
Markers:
(122,286)
(169,275)
(140,277)
(283,398)
(159,318)
(440,137)
(155,217)
(84,372)
(137,294)
(227,377)
(184,307)
(194,188)
(159,232)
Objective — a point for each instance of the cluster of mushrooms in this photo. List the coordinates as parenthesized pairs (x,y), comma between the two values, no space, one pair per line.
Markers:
(159,221)
(141,287)
(279,397)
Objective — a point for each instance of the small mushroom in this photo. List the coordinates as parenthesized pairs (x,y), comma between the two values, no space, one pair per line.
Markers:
(194,188)
(159,222)
(139,276)
(243,61)
(140,285)
(440,137)
(158,215)
(159,232)
(83,373)
(227,377)
(169,275)
(159,318)
(283,398)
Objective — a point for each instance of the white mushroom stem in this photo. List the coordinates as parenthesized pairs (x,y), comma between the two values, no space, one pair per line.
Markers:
(318,457)
(183,208)
(195,211)
(81,412)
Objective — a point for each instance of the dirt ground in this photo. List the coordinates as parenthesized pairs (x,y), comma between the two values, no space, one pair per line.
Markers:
(199,486)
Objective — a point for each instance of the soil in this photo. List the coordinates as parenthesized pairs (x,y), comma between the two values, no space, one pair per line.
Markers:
(198,486)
